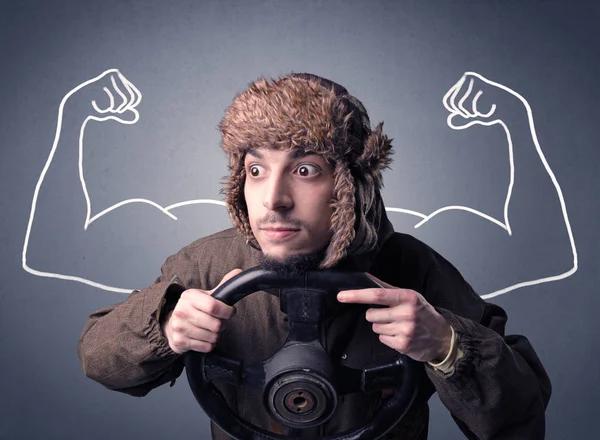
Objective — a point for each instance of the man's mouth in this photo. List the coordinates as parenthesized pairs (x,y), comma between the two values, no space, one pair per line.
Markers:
(277,233)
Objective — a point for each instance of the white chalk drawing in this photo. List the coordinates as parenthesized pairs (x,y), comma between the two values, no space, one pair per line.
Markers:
(129,103)
(458,109)
(452,101)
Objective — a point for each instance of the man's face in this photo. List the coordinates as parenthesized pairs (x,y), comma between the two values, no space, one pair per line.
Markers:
(288,195)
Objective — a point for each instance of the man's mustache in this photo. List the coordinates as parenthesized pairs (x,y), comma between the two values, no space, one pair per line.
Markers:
(279,220)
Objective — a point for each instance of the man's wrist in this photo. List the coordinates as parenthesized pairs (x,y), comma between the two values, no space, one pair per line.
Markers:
(446,366)
(446,345)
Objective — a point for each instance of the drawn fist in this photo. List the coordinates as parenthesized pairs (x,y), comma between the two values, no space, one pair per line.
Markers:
(111,95)
(463,101)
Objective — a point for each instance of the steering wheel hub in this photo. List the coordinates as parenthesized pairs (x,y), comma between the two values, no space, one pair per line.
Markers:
(300,399)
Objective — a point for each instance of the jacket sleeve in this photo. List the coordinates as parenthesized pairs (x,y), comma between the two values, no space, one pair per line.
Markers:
(122,346)
(499,389)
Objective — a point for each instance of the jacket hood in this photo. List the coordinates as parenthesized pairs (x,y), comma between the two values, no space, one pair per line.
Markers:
(319,116)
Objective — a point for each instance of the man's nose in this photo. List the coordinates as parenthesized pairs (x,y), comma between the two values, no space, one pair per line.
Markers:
(277,195)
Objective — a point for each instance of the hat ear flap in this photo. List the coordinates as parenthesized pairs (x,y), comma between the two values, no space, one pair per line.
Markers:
(235,200)
(376,155)
(343,218)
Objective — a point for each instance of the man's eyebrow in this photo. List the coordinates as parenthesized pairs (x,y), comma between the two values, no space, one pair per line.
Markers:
(298,153)
(252,152)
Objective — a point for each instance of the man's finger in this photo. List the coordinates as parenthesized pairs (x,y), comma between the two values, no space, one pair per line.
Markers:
(212,323)
(400,312)
(389,329)
(383,297)
(202,302)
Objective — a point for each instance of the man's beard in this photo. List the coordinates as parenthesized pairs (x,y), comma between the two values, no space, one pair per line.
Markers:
(293,266)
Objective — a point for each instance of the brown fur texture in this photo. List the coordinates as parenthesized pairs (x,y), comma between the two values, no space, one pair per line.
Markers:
(319,116)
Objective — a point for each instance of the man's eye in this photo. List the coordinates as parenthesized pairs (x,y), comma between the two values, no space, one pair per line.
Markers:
(307,170)
(255,170)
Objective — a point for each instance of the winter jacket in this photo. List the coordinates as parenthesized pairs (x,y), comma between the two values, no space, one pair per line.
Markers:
(498,389)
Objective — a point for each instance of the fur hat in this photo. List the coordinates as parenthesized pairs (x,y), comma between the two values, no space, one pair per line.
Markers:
(315,114)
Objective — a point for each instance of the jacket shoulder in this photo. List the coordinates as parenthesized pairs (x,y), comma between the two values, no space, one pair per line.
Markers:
(408,241)
(407,249)
(213,256)
(224,238)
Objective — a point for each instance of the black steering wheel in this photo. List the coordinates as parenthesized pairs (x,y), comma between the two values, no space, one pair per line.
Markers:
(300,383)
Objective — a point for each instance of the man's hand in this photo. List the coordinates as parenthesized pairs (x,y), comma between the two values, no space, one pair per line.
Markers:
(409,324)
(197,320)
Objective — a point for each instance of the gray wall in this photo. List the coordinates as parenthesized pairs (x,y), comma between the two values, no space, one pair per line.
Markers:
(188,59)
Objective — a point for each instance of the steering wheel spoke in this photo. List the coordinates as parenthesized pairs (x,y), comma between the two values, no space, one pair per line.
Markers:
(349,380)
(374,378)
(216,367)
(383,376)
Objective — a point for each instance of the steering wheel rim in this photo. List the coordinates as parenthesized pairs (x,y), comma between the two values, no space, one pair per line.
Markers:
(255,279)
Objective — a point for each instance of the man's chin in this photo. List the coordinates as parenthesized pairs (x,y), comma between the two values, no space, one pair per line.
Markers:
(292,265)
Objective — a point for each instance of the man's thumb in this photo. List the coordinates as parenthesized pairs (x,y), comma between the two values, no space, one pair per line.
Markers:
(227,277)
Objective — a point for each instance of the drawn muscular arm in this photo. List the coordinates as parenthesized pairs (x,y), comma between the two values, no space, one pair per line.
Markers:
(534,231)
(66,237)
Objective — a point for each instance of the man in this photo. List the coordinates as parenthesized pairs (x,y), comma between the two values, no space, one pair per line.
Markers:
(304,193)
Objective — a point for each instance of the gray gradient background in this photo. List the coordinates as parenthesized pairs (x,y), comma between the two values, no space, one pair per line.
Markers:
(189,59)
